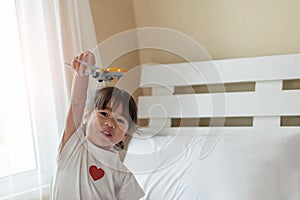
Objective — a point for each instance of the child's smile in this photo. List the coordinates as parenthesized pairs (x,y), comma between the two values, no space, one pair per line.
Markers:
(106,133)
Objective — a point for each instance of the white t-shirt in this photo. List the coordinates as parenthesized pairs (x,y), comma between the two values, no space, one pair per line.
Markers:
(85,171)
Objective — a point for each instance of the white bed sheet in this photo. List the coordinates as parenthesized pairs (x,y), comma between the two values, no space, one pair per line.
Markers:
(247,166)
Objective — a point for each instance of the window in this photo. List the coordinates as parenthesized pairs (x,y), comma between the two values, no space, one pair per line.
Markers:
(16,138)
(28,115)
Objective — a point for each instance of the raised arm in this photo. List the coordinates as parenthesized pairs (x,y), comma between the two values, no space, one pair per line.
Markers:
(78,96)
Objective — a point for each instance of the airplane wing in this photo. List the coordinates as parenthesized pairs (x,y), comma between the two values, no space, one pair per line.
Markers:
(109,76)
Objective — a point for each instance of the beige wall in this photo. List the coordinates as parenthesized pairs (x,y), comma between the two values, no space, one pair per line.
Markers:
(231,28)
(226,29)
(112,17)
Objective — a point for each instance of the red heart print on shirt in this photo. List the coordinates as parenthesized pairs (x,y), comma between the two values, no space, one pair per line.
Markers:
(96,173)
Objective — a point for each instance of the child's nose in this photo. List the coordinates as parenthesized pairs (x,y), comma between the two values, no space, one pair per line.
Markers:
(109,124)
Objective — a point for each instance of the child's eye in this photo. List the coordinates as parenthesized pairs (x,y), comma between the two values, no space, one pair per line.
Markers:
(121,121)
(104,114)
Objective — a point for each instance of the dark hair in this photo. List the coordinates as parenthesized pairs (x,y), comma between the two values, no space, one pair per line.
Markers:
(117,96)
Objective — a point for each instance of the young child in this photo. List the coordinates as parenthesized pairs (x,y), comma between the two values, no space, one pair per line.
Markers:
(88,167)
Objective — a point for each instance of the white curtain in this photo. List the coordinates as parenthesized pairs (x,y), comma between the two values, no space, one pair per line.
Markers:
(51,32)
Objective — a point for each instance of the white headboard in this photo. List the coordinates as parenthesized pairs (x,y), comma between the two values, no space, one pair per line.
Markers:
(267,103)
(202,151)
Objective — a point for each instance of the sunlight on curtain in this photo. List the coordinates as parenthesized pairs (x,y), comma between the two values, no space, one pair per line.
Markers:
(16,144)
(37,38)
(29,125)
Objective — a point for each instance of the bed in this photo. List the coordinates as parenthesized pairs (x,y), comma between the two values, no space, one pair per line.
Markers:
(219,142)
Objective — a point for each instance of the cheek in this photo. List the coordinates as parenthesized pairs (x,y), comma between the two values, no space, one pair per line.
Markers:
(119,135)
(123,127)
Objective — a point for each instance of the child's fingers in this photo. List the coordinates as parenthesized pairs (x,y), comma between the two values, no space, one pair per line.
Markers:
(89,57)
(81,55)
(82,68)
(76,64)
(86,56)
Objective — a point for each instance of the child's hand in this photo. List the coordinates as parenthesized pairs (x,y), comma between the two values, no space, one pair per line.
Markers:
(85,56)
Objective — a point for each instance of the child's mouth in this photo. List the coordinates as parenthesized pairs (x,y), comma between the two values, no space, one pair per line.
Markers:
(107,134)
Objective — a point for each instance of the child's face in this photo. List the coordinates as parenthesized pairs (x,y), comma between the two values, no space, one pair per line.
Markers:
(107,127)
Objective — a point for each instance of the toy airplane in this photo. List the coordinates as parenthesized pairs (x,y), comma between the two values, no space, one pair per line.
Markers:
(103,74)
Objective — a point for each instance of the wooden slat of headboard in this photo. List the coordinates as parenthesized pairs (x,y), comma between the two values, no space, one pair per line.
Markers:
(281,67)
(282,103)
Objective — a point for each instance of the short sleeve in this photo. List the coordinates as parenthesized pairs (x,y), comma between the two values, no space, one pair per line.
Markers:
(130,189)
(72,144)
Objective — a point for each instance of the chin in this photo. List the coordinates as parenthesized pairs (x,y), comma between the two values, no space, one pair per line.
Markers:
(100,143)
(104,146)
